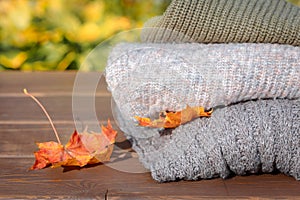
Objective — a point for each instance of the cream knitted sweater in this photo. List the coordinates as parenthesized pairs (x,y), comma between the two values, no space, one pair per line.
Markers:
(170,76)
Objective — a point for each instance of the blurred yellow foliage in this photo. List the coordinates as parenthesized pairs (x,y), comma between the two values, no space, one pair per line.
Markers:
(14,61)
(58,34)
(93,11)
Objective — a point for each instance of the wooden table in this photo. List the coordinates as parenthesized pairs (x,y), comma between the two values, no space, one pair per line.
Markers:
(22,124)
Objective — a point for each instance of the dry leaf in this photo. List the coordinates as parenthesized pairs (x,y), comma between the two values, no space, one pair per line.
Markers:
(169,119)
(82,149)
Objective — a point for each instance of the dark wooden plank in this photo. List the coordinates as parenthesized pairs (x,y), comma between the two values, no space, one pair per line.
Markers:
(59,108)
(96,181)
(14,82)
(264,186)
(41,82)
(19,140)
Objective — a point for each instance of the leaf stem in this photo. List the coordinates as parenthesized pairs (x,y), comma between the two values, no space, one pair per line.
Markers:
(46,113)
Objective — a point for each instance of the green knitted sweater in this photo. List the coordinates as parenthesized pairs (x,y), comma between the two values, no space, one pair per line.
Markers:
(224,21)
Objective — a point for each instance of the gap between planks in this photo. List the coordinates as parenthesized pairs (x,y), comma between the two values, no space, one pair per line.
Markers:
(53,94)
(4,156)
(43,122)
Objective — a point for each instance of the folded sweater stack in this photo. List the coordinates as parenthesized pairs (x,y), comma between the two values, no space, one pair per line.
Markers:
(252,84)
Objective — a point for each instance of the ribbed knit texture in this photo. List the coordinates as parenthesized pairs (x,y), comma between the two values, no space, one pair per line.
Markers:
(225,21)
(251,137)
(148,78)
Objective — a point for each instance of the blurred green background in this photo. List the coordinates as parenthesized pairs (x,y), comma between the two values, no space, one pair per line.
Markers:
(58,34)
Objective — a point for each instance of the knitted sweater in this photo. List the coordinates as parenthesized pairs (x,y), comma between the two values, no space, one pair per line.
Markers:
(170,76)
(224,21)
(252,137)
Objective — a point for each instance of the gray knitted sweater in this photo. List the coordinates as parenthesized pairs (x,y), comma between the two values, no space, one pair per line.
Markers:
(253,137)
(224,21)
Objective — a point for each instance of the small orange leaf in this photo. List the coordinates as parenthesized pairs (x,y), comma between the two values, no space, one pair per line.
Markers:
(109,132)
(82,149)
(143,121)
(169,119)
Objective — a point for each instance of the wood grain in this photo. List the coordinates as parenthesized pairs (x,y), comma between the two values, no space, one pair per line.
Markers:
(22,123)
(12,82)
(59,108)
(95,181)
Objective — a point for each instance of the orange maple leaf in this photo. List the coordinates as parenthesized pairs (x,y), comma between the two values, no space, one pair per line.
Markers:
(171,119)
(82,149)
